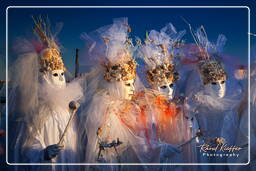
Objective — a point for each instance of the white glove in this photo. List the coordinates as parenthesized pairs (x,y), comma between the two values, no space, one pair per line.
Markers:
(52,151)
(73,105)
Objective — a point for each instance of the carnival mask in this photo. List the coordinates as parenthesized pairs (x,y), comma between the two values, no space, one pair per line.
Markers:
(218,88)
(167,89)
(129,89)
(56,78)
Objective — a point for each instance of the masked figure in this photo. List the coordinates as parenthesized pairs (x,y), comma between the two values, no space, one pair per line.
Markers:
(208,100)
(42,104)
(109,120)
(165,110)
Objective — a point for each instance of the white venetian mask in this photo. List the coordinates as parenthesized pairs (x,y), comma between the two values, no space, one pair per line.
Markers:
(56,78)
(218,88)
(129,89)
(167,89)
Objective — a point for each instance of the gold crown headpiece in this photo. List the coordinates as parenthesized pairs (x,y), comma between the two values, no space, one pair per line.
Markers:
(120,72)
(162,74)
(212,71)
(124,66)
(164,71)
(50,57)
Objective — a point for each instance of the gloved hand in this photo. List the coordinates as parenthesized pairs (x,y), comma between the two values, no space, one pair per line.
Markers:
(52,151)
(73,105)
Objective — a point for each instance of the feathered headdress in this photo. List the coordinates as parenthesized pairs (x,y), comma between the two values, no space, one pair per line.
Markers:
(50,57)
(158,52)
(111,47)
(210,68)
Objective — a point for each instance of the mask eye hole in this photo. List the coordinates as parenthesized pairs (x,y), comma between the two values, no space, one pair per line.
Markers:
(163,87)
(55,75)
(171,85)
(128,84)
(214,83)
(222,82)
(62,73)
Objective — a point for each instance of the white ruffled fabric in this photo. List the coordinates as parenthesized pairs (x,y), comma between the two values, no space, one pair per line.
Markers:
(108,44)
(151,52)
(47,127)
(116,123)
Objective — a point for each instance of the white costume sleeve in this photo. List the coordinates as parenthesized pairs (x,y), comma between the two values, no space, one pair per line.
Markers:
(34,153)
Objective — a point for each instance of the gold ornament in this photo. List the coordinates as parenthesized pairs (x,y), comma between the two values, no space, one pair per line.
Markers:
(212,71)
(162,74)
(50,58)
(120,72)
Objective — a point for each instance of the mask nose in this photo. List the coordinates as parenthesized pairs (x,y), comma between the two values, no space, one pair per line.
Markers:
(219,89)
(132,88)
(169,90)
(223,89)
(218,86)
(61,78)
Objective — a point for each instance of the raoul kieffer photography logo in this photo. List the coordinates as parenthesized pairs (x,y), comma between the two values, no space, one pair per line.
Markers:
(218,147)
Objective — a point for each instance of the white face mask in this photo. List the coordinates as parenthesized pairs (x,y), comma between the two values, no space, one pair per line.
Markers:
(129,89)
(57,78)
(218,88)
(167,89)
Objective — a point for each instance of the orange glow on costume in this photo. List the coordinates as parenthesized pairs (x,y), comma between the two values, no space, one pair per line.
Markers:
(170,125)
(167,121)
(135,119)
(168,110)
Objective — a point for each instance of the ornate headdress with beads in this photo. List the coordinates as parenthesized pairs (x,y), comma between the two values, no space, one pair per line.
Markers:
(212,71)
(120,72)
(111,47)
(162,74)
(209,67)
(158,53)
(121,66)
(50,57)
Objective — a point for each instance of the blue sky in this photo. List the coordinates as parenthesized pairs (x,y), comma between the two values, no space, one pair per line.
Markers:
(232,22)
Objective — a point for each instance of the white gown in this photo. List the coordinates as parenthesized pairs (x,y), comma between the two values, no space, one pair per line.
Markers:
(104,112)
(53,115)
(242,141)
(50,134)
(242,138)
(216,117)
(39,110)
(121,119)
